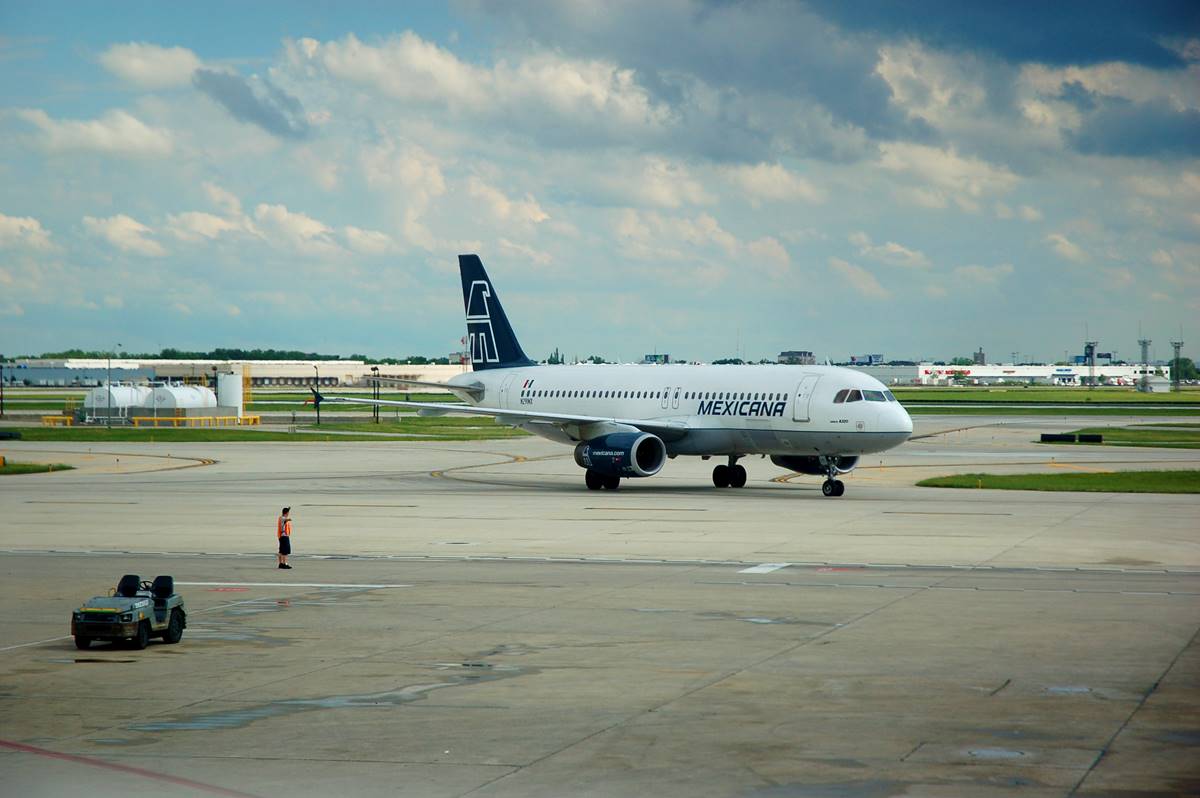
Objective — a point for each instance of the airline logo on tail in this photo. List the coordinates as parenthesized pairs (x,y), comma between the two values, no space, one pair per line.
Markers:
(481,336)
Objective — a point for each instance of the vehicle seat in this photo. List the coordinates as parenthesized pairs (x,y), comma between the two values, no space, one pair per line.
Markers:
(128,586)
(164,586)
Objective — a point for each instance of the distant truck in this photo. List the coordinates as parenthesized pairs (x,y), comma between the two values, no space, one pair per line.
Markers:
(133,613)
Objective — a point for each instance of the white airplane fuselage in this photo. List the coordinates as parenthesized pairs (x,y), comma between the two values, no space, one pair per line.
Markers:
(726,410)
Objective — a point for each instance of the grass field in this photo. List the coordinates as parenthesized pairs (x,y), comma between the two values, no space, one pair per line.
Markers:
(415,429)
(32,468)
(445,428)
(1186,438)
(1047,395)
(1022,410)
(1116,482)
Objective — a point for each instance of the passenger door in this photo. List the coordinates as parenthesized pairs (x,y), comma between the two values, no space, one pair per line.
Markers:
(804,393)
(666,399)
(675,399)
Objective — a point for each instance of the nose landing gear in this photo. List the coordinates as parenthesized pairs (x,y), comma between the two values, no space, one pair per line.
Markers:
(729,476)
(832,486)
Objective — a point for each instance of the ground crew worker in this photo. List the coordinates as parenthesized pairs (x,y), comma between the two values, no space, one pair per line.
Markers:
(283,531)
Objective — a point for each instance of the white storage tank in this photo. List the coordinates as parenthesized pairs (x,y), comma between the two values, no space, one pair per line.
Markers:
(229,391)
(181,397)
(115,400)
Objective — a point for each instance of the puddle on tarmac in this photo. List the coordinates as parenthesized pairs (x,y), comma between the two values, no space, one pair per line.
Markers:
(456,675)
(786,621)
(994,753)
(213,629)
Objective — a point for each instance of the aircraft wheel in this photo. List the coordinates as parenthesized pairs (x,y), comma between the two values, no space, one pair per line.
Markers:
(737,476)
(839,487)
(829,487)
(593,480)
(721,476)
(612,482)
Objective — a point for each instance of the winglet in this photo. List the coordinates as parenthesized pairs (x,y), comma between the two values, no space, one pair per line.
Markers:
(317,398)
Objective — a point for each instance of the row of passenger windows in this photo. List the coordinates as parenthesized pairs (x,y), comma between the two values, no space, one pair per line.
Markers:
(571,394)
(855,395)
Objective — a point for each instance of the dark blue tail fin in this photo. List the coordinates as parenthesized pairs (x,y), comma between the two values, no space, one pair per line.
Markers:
(490,338)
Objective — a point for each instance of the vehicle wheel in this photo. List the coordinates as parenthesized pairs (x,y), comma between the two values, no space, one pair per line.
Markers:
(612,482)
(828,487)
(721,476)
(593,480)
(83,643)
(142,639)
(737,476)
(839,487)
(174,627)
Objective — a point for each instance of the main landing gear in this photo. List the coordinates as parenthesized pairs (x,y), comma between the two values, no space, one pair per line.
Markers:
(832,486)
(729,476)
(595,480)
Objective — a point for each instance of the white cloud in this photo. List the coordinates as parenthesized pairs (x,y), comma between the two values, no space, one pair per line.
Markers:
(771,181)
(223,199)
(1066,248)
(946,174)
(115,133)
(1030,213)
(368,242)
(126,234)
(890,253)
(298,231)
(25,232)
(150,66)
(666,184)
(983,275)
(526,211)
(862,280)
(586,93)
(1162,258)
(198,226)
(525,252)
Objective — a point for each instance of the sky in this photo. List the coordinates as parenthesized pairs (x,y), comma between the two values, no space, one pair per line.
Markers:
(917,179)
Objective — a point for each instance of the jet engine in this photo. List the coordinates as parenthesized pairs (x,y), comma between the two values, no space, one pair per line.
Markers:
(623,454)
(811,464)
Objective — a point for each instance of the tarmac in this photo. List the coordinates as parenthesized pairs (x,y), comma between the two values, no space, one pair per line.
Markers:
(469,620)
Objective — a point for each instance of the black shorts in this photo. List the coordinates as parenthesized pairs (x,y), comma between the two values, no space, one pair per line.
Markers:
(285,544)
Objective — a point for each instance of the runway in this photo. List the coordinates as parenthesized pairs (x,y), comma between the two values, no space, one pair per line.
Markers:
(467,619)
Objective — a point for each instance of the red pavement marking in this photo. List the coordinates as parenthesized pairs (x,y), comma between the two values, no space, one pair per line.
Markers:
(147,774)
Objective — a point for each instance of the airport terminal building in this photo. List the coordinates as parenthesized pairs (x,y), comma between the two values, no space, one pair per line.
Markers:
(88,372)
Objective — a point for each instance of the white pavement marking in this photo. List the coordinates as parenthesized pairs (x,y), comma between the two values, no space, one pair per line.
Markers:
(36,643)
(281,584)
(765,568)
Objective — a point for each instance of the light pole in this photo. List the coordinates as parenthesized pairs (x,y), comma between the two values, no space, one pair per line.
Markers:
(374,392)
(109,398)
(318,404)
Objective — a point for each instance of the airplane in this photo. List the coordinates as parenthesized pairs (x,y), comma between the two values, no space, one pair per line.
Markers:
(626,421)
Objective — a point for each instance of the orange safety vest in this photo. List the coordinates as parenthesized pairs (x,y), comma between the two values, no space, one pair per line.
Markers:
(284,527)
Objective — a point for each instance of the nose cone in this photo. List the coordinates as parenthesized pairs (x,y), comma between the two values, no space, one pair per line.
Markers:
(903,419)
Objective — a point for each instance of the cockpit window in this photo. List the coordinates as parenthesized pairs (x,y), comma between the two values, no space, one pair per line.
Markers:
(841,396)
(891,397)
(854,396)
(874,396)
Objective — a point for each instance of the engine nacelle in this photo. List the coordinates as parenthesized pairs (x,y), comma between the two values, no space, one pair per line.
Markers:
(623,454)
(811,464)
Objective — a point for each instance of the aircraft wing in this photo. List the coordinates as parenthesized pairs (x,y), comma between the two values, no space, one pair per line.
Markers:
(461,391)
(580,427)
